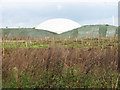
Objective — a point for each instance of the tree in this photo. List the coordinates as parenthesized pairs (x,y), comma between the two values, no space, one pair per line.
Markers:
(33,28)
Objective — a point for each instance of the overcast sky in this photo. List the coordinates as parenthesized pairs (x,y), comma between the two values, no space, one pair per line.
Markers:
(30,13)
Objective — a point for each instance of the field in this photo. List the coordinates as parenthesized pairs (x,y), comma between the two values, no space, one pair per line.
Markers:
(60,63)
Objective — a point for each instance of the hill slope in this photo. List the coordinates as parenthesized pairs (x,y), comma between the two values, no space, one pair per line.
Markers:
(81,32)
(91,31)
(26,32)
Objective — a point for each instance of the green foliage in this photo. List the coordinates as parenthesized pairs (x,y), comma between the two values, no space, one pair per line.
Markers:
(80,43)
(68,80)
(35,46)
(33,28)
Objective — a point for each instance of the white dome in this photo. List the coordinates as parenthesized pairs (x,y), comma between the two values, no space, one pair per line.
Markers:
(58,25)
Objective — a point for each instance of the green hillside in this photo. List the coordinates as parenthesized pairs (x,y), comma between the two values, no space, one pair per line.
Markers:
(26,32)
(81,32)
(91,31)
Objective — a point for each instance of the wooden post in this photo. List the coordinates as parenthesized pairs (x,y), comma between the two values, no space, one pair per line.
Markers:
(26,44)
(2,34)
(15,73)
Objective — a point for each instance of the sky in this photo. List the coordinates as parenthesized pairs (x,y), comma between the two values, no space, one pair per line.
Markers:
(30,13)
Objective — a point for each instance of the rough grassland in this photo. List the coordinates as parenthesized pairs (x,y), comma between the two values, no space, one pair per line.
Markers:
(57,66)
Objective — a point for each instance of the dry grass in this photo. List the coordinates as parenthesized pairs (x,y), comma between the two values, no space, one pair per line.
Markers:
(37,60)
(99,62)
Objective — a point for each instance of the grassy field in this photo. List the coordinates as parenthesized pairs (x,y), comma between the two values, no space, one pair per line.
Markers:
(60,63)
(73,43)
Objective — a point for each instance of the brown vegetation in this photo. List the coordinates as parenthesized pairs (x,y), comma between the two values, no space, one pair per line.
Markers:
(57,59)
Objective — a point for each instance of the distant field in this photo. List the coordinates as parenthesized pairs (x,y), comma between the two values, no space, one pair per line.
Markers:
(73,43)
(65,63)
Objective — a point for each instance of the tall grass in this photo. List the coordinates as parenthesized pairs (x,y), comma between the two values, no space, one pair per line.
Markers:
(61,67)
(60,63)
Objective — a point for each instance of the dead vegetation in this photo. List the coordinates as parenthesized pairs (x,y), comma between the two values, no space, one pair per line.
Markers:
(57,59)
(93,57)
